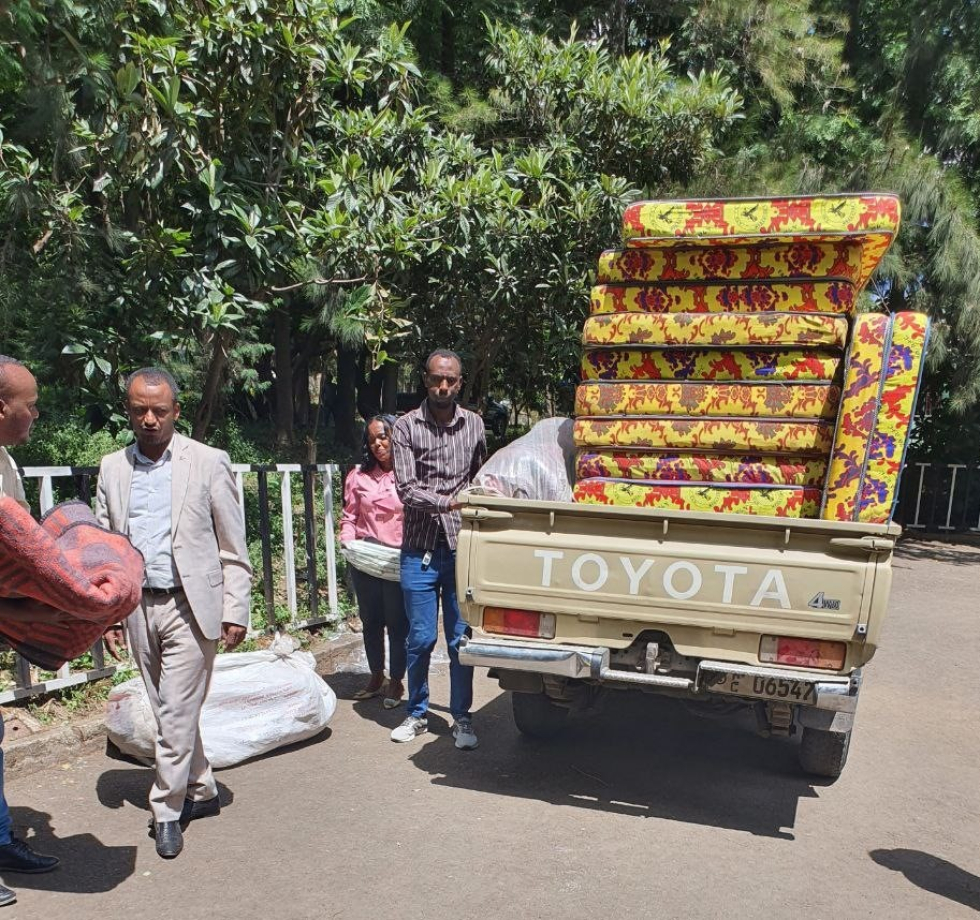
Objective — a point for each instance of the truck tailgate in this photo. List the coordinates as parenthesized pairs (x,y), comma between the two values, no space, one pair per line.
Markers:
(711,571)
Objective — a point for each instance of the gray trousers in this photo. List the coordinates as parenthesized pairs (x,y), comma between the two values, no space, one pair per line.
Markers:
(176,662)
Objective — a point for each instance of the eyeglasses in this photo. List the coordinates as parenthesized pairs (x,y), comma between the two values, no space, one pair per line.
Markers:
(436,379)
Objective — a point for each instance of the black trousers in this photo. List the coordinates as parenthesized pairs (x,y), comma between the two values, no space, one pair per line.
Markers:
(381,605)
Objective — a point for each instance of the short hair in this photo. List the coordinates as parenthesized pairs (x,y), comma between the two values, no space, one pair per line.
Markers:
(155,376)
(444,353)
(5,362)
(368,460)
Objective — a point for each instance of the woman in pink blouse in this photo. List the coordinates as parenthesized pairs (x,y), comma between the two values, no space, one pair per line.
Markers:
(373,512)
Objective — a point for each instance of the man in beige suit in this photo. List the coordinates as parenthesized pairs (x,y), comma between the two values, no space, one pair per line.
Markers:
(176,500)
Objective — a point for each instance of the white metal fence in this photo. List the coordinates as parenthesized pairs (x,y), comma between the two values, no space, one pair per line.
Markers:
(940,497)
(283,602)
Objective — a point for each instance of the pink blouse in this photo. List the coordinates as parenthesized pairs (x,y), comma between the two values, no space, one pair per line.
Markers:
(372,509)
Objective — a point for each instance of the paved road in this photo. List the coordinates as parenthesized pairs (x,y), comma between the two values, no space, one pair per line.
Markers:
(645,811)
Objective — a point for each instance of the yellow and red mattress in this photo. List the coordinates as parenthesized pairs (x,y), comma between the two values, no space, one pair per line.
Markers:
(883,373)
(718,400)
(698,467)
(710,297)
(868,219)
(731,330)
(798,438)
(709,364)
(800,260)
(732,499)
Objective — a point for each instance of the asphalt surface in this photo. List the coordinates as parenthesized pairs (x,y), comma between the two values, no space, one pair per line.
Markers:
(642,810)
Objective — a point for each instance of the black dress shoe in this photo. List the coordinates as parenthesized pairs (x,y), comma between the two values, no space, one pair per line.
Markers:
(17,856)
(194,811)
(170,841)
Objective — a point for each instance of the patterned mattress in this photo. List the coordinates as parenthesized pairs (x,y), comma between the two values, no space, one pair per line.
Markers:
(872,220)
(727,435)
(800,260)
(730,330)
(717,400)
(694,467)
(709,364)
(712,297)
(767,500)
(883,373)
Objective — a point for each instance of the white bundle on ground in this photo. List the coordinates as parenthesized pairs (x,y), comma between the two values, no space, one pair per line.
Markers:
(539,465)
(258,701)
(374,558)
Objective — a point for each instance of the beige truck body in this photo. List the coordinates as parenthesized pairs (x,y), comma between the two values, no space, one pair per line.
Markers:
(675,602)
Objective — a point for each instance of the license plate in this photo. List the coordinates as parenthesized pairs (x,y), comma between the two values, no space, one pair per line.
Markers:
(762,688)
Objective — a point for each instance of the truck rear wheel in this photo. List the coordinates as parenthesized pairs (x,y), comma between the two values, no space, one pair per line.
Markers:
(537,716)
(824,752)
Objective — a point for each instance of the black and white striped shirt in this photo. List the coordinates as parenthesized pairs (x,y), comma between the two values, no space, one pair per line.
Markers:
(433,463)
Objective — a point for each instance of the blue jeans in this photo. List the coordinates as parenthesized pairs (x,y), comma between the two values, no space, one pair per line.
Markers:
(4,809)
(422,586)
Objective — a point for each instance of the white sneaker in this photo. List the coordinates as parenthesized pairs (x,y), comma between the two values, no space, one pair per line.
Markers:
(465,736)
(410,729)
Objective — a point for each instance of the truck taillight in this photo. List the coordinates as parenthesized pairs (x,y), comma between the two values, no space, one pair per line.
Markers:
(803,653)
(509,622)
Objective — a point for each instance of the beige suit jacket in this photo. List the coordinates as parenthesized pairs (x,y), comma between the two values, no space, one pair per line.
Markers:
(206,527)
(10,482)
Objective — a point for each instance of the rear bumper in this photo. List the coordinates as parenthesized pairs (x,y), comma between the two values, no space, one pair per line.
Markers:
(833,692)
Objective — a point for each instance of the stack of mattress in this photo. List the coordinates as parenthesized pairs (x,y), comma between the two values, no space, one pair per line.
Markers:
(724,369)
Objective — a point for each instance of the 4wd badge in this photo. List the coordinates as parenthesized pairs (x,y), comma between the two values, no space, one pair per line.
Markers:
(822,602)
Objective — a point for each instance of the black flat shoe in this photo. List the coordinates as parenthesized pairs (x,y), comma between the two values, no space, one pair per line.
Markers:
(194,811)
(17,856)
(170,840)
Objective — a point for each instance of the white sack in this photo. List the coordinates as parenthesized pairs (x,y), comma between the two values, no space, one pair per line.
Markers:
(258,701)
(373,558)
(539,465)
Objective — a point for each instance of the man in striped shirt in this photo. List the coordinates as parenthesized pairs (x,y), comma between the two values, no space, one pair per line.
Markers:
(437,450)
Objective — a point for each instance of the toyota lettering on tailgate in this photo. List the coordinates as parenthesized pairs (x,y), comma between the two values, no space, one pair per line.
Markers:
(679,580)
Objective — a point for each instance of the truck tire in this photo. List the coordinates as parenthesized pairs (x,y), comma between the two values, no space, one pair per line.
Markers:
(824,752)
(537,716)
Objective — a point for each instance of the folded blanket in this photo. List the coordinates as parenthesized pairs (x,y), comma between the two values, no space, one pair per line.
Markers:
(840,261)
(768,500)
(63,581)
(719,400)
(884,369)
(695,467)
(711,297)
(731,330)
(709,364)
(872,220)
(726,435)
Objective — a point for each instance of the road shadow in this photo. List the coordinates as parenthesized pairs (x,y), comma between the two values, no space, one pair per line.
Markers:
(932,874)
(88,866)
(118,787)
(958,551)
(645,756)
(346,683)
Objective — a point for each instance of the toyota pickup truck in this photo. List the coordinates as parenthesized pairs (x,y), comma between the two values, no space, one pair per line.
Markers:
(569,601)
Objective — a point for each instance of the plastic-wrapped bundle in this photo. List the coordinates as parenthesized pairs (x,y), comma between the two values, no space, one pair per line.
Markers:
(538,466)
(750,297)
(800,259)
(709,364)
(721,400)
(731,330)
(884,369)
(373,558)
(695,467)
(774,501)
(732,435)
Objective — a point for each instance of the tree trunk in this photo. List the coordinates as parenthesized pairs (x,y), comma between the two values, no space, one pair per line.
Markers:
(212,385)
(348,362)
(284,377)
(389,390)
(301,394)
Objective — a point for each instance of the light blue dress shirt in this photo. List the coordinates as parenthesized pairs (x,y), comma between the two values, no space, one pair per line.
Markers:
(150,502)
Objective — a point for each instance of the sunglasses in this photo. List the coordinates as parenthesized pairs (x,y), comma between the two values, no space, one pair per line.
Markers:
(435,379)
